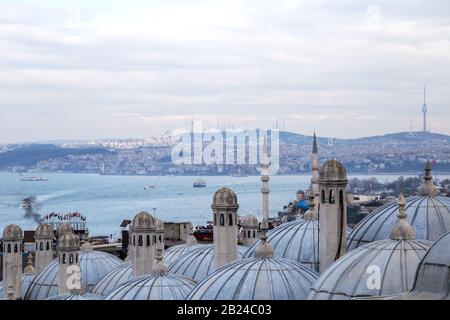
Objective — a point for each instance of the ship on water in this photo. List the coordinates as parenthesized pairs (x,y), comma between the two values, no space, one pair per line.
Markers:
(33,179)
(200,183)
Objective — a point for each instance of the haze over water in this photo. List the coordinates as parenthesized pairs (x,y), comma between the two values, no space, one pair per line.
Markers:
(107,200)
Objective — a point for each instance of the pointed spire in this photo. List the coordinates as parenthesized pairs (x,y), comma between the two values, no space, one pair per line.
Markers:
(403,229)
(160,268)
(314,149)
(29,268)
(428,188)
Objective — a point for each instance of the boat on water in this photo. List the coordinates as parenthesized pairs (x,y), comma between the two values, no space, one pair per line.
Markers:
(204,233)
(150,187)
(33,179)
(200,183)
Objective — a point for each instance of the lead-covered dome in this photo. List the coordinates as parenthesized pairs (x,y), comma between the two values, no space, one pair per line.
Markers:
(256,279)
(297,241)
(173,253)
(68,241)
(224,197)
(44,231)
(250,221)
(120,274)
(153,287)
(198,262)
(80,296)
(12,232)
(94,266)
(63,228)
(429,216)
(143,221)
(332,170)
(395,262)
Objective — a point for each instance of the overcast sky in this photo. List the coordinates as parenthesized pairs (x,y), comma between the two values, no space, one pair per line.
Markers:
(101,69)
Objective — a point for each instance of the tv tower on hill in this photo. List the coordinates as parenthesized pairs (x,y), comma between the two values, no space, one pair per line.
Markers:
(424,109)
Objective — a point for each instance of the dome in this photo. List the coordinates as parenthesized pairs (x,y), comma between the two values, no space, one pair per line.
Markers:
(12,232)
(26,281)
(198,262)
(153,287)
(143,221)
(120,274)
(94,266)
(250,221)
(297,241)
(395,261)
(44,231)
(332,170)
(225,197)
(257,279)
(173,253)
(70,296)
(68,241)
(63,228)
(429,216)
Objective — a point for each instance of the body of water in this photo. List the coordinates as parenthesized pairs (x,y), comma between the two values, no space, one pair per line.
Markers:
(107,200)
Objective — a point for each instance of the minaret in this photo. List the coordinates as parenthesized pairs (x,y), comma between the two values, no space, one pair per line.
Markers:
(428,188)
(265,166)
(315,174)
(44,246)
(142,243)
(424,110)
(225,207)
(250,230)
(332,213)
(12,262)
(69,277)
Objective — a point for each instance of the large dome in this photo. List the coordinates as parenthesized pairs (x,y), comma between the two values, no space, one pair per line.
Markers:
(256,279)
(429,216)
(395,261)
(198,263)
(94,266)
(173,253)
(297,240)
(153,287)
(84,296)
(120,274)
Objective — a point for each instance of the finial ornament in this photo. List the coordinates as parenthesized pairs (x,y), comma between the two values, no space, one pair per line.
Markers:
(160,268)
(29,268)
(191,239)
(311,214)
(428,188)
(403,229)
(264,250)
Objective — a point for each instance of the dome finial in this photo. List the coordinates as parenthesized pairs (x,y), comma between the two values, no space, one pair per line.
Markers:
(86,246)
(160,268)
(191,239)
(311,214)
(264,250)
(29,268)
(428,188)
(403,229)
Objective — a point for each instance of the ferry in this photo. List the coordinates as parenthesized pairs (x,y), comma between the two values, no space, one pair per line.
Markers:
(33,179)
(200,183)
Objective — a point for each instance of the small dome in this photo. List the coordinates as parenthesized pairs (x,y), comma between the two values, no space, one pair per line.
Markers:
(68,241)
(256,279)
(63,228)
(120,274)
(159,225)
(94,266)
(173,253)
(198,262)
(153,287)
(395,261)
(26,281)
(44,231)
(84,296)
(432,279)
(225,197)
(143,221)
(12,232)
(297,241)
(250,221)
(332,170)
(429,217)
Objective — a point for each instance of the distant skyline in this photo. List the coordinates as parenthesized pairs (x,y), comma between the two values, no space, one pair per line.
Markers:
(92,69)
